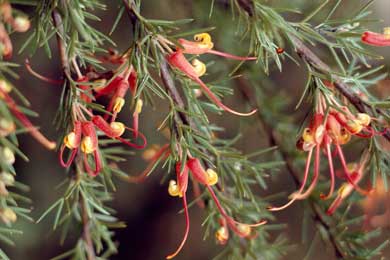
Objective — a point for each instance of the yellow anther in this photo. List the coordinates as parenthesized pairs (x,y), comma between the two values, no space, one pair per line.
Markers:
(138,106)
(87,146)
(70,140)
(8,155)
(118,104)
(149,153)
(204,39)
(245,230)
(386,32)
(354,126)
(8,216)
(344,190)
(344,137)
(118,128)
(364,119)
(21,24)
(212,177)
(174,189)
(99,84)
(5,86)
(199,67)
(307,136)
(7,178)
(222,235)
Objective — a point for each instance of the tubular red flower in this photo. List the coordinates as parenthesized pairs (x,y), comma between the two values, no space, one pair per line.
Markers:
(177,60)
(376,39)
(26,122)
(204,45)
(72,141)
(116,132)
(86,93)
(182,180)
(90,145)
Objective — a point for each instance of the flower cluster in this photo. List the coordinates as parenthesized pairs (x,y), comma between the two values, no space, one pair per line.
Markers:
(331,126)
(85,123)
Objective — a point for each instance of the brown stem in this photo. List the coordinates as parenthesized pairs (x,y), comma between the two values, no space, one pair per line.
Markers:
(318,216)
(84,212)
(312,59)
(57,20)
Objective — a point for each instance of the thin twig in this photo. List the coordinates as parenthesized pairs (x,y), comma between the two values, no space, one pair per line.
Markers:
(61,43)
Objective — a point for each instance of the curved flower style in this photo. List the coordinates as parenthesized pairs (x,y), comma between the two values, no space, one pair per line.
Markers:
(377,39)
(208,178)
(194,71)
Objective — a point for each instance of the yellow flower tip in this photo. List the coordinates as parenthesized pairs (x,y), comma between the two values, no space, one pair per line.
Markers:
(70,140)
(8,216)
(5,86)
(344,190)
(8,155)
(7,178)
(149,153)
(87,145)
(244,229)
(118,128)
(354,126)
(199,67)
(21,24)
(204,39)
(3,189)
(174,189)
(307,136)
(222,235)
(197,92)
(6,127)
(344,137)
(99,84)
(363,118)
(118,104)
(138,106)
(212,177)
(386,32)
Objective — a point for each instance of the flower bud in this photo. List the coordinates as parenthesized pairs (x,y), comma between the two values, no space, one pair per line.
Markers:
(199,67)
(222,235)
(7,155)
(118,128)
(212,177)
(7,178)
(6,127)
(21,24)
(8,216)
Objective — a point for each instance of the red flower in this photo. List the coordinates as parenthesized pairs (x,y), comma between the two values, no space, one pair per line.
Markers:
(208,178)
(194,71)
(377,39)
(13,107)
(203,44)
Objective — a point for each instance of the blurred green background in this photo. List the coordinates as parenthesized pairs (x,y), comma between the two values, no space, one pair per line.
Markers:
(154,227)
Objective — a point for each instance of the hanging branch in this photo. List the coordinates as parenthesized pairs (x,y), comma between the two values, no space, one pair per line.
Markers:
(60,33)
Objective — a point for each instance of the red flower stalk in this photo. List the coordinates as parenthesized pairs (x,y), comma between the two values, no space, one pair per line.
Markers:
(115,130)
(203,44)
(71,141)
(89,145)
(207,178)
(86,92)
(25,121)
(347,188)
(377,39)
(178,61)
